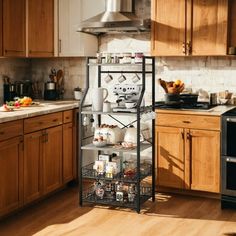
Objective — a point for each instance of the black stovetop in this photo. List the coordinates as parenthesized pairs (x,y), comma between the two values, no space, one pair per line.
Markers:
(197,106)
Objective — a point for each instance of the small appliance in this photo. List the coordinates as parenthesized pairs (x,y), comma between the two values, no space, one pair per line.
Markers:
(50,92)
(127,93)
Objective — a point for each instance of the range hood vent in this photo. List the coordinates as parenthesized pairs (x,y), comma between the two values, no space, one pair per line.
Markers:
(119,17)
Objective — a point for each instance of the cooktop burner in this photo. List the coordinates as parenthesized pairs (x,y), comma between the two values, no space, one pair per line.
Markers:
(198,106)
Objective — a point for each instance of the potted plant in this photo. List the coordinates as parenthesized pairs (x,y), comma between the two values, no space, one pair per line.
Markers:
(78,93)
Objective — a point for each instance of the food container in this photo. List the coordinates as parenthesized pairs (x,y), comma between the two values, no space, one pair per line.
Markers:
(126,59)
(138,58)
(112,133)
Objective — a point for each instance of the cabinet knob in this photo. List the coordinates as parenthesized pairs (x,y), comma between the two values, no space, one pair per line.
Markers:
(2,133)
(186,121)
(184,48)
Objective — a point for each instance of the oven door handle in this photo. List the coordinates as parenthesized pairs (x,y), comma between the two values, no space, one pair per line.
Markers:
(233,160)
(231,119)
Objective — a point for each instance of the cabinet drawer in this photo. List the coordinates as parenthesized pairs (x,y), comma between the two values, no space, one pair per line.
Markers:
(42,122)
(11,129)
(189,121)
(68,116)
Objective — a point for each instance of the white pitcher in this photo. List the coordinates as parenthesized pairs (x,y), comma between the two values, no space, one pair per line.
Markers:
(98,98)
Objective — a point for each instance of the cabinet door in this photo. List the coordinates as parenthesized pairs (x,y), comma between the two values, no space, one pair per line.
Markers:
(71,42)
(170,156)
(11,171)
(209,27)
(68,153)
(41,28)
(1,27)
(204,160)
(168,27)
(52,160)
(32,166)
(14,22)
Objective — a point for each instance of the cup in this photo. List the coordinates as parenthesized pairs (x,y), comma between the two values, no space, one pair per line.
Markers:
(130,104)
(136,78)
(122,78)
(108,78)
(106,106)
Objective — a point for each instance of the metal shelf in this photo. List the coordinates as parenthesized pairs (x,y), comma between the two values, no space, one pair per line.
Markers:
(86,173)
(89,173)
(111,148)
(109,202)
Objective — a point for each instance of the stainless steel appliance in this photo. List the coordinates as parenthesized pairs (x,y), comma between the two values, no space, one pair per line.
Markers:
(228,160)
(126,93)
(50,91)
(119,16)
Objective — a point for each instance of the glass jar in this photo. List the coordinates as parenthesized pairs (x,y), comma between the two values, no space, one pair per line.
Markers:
(129,168)
(138,57)
(126,58)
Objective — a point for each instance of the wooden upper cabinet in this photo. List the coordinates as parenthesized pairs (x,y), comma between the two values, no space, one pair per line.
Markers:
(14,28)
(170,157)
(189,27)
(41,28)
(1,27)
(168,27)
(209,27)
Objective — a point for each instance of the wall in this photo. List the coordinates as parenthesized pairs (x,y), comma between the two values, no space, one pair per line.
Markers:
(15,69)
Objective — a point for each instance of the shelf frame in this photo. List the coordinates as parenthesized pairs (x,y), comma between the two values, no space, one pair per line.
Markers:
(139,148)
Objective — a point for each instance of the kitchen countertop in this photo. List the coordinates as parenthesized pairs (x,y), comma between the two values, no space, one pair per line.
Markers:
(216,111)
(45,107)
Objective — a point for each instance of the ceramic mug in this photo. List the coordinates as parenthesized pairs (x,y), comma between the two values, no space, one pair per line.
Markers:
(106,106)
(108,78)
(122,78)
(98,98)
(136,78)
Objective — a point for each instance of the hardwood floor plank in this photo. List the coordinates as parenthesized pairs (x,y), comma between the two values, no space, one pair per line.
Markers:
(170,215)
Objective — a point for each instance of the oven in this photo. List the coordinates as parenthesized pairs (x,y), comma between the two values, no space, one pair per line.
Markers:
(228,159)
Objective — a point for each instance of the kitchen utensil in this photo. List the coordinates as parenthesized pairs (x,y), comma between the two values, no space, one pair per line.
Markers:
(189,98)
(98,98)
(172,99)
(59,75)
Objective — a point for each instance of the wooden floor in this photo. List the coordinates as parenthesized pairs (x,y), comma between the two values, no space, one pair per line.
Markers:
(172,215)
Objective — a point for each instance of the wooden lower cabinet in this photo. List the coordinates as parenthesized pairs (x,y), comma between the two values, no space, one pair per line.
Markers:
(42,163)
(11,175)
(188,158)
(52,160)
(170,157)
(68,153)
(204,158)
(33,145)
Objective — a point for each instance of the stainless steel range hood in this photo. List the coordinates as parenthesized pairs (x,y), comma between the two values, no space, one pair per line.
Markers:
(118,17)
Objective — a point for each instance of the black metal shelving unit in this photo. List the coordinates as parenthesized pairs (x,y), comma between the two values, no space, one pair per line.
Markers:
(86,172)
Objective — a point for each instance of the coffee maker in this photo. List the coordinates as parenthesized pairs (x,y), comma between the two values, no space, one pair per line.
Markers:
(16,89)
(50,91)
(127,93)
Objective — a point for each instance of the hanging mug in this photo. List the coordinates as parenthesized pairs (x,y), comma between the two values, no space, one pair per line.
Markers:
(98,98)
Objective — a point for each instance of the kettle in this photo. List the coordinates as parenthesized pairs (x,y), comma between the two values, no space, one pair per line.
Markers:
(131,135)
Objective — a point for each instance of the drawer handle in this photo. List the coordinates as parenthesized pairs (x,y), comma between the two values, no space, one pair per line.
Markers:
(40,122)
(186,121)
(2,133)
(67,118)
(55,120)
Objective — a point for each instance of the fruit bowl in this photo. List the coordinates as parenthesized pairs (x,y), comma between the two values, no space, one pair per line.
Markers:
(100,143)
